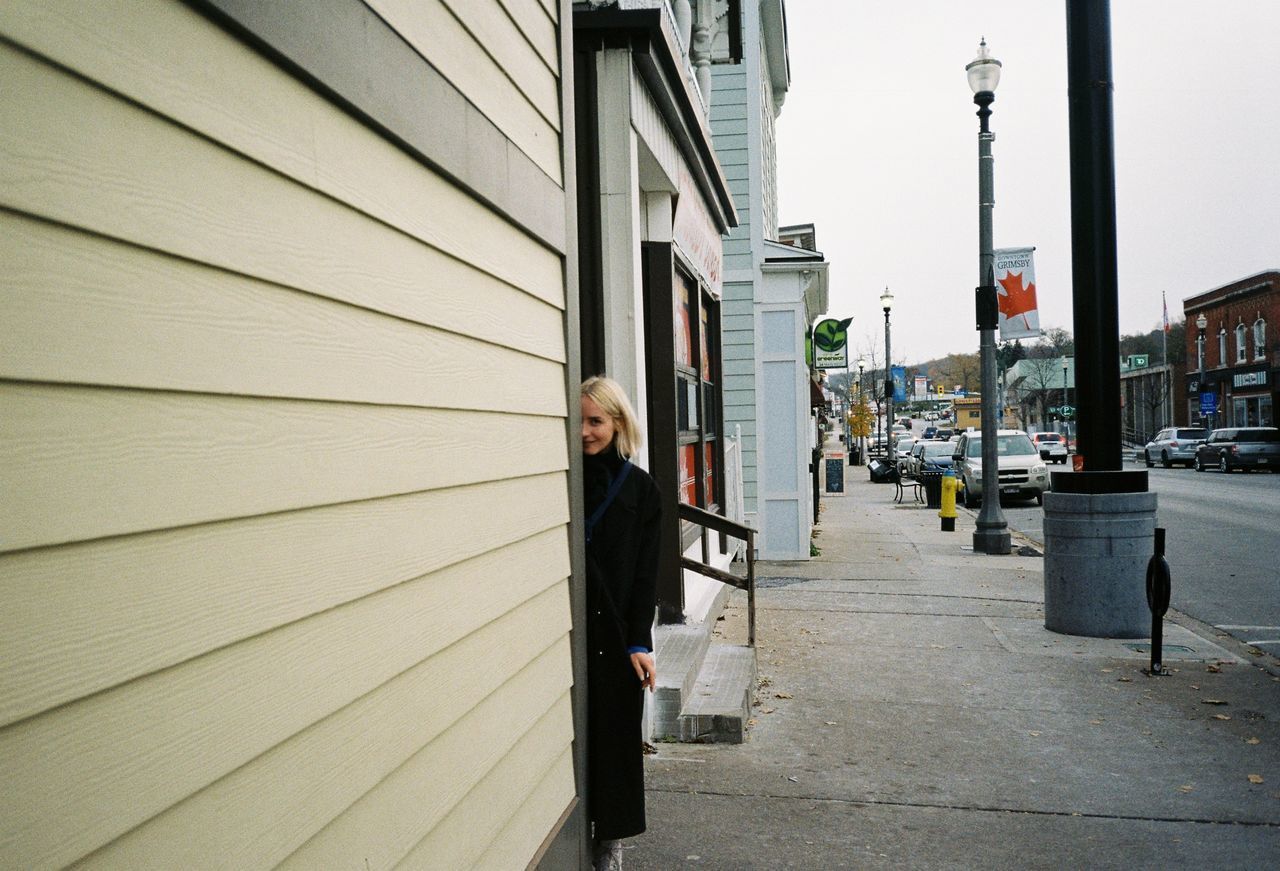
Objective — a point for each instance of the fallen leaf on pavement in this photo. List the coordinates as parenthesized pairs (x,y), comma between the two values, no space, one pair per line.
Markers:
(782,695)
(1255,778)
(1212,702)
(1108,670)
(793,779)
(1035,734)
(1195,686)
(1092,722)
(1125,679)
(1186,788)
(1222,716)
(1215,669)
(752,721)
(1253,741)
(831,722)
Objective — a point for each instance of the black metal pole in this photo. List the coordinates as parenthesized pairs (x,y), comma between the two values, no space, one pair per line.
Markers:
(1093,234)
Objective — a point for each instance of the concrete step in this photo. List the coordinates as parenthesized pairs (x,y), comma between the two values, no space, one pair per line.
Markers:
(718,708)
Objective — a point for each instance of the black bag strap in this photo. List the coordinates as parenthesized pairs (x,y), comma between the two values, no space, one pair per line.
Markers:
(614,487)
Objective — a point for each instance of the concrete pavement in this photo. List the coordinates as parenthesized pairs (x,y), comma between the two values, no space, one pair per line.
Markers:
(913,712)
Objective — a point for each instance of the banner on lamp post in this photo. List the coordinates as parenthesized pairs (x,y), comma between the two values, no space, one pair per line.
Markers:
(1015,270)
(899,374)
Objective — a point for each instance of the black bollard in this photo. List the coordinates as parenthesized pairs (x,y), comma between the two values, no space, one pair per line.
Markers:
(1158,586)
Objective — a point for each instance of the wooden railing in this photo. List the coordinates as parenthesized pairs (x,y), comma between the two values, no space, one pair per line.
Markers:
(725,526)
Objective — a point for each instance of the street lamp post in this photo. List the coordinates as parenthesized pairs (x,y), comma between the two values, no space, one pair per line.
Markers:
(886,302)
(1201,323)
(992,533)
(862,449)
(1065,427)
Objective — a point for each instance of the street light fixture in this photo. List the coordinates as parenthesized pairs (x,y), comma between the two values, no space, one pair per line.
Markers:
(992,533)
(886,302)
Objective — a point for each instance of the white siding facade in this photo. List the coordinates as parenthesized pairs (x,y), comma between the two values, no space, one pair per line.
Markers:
(283,546)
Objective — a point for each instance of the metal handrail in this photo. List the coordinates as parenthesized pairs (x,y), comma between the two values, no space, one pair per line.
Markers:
(725,526)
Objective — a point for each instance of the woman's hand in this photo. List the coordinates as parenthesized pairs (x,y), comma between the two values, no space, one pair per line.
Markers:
(645,670)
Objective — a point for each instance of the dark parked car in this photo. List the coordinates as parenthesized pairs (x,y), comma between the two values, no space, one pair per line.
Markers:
(929,432)
(1173,445)
(931,456)
(1253,447)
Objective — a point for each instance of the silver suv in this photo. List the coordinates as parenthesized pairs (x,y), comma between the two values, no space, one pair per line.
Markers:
(1022,472)
(1174,445)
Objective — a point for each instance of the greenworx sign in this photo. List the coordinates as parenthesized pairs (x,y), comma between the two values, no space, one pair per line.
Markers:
(831,344)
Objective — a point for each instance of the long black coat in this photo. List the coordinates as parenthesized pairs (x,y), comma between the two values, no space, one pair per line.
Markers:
(622,568)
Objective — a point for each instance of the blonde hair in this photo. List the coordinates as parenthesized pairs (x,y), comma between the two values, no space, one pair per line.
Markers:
(612,399)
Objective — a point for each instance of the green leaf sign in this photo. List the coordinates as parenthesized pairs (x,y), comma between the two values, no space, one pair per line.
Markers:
(831,335)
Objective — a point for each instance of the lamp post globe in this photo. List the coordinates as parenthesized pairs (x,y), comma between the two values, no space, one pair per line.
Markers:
(992,533)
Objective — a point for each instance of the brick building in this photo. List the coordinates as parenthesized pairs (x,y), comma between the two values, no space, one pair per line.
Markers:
(1233,352)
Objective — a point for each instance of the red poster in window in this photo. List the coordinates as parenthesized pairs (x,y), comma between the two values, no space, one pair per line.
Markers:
(709,455)
(689,475)
(683,327)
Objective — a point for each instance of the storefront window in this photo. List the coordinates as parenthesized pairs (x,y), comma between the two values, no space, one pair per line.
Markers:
(697,399)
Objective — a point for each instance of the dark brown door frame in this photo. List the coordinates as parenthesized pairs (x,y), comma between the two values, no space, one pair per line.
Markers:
(658,278)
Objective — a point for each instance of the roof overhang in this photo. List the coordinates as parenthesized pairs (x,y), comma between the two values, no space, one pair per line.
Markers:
(650,37)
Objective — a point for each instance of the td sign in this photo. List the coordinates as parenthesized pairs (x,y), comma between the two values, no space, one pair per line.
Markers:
(831,344)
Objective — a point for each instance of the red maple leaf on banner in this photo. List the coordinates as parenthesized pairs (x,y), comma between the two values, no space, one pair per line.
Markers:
(1017,300)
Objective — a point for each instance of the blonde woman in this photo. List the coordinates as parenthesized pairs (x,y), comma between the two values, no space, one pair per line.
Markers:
(623,511)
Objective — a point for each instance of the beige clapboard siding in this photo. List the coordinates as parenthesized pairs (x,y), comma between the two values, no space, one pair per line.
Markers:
(500,38)
(82,618)
(104,764)
(83,309)
(171,59)
(532,124)
(539,814)
(83,463)
(527,717)
(78,155)
(259,814)
(538,28)
(461,837)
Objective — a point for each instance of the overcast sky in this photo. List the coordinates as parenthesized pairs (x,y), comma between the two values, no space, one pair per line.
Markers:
(877,146)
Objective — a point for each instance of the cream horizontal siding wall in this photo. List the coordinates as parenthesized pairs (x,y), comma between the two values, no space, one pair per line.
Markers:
(282,410)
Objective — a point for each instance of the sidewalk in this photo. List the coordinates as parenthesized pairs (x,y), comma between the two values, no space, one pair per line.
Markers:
(913,712)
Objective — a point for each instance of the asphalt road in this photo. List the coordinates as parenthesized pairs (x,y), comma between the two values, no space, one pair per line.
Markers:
(1223,546)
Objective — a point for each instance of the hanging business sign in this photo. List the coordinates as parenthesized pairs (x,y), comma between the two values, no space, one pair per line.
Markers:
(831,344)
(922,386)
(1015,270)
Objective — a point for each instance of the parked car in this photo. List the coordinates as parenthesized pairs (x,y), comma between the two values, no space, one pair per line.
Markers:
(929,432)
(944,434)
(1052,446)
(902,451)
(1254,447)
(1021,472)
(1174,445)
(931,456)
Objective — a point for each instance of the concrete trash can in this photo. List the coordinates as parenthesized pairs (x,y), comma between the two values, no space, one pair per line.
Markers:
(932,482)
(1096,548)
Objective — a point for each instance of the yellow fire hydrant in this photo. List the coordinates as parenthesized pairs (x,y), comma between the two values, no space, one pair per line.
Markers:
(948,510)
